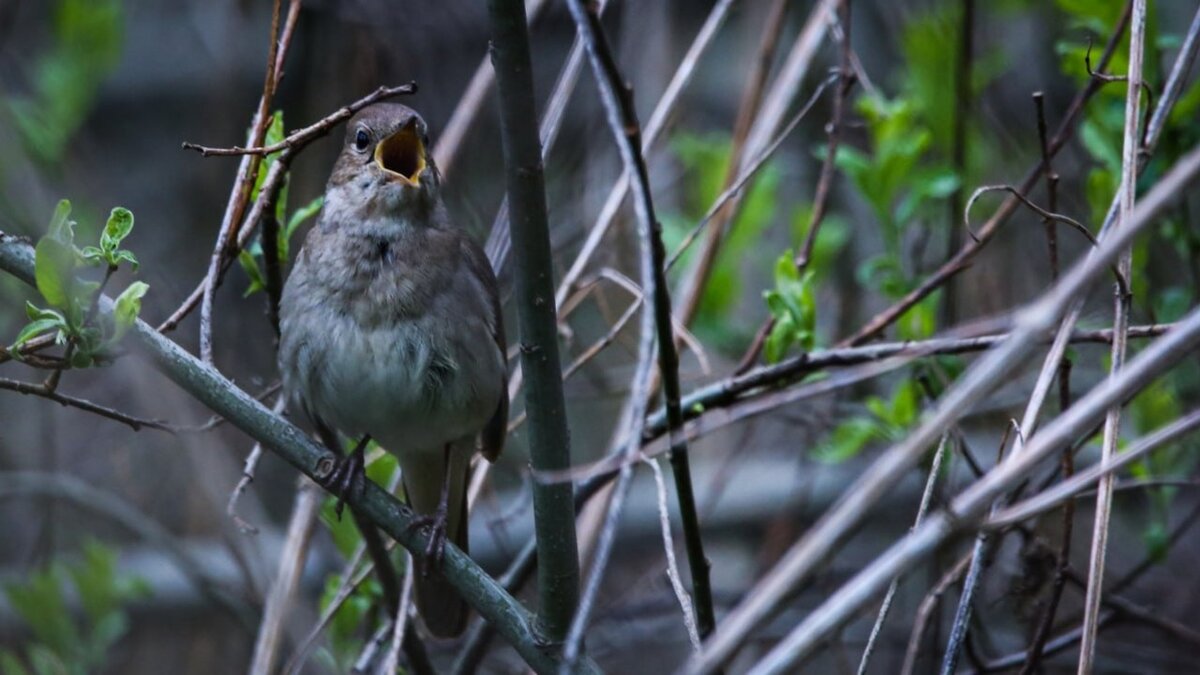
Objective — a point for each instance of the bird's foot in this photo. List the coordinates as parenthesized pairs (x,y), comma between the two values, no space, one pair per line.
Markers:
(435,548)
(348,477)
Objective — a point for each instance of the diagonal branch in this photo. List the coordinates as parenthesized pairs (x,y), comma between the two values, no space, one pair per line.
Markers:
(278,435)
(1031,323)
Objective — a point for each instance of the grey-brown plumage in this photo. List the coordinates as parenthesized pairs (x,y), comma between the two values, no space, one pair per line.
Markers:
(390,327)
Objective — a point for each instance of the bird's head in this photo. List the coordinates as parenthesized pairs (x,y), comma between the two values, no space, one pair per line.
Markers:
(384,167)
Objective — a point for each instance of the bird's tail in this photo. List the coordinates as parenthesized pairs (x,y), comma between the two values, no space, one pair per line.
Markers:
(440,606)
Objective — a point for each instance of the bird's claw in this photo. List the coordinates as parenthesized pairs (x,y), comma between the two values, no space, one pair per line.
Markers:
(435,548)
(347,478)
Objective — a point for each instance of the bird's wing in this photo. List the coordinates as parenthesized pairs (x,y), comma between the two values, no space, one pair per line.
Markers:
(493,434)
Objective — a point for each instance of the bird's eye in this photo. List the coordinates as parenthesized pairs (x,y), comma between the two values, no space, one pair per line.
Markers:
(361,140)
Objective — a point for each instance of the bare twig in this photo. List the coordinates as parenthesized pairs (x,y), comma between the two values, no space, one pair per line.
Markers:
(925,612)
(135,423)
(691,290)
(247,170)
(650,134)
(248,468)
(747,173)
(1072,486)
(291,565)
(1063,555)
(399,622)
(301,138)
(1123,302)
(926,498)
(273,182)
(681,594)
(1031,322)
(623,122)
(445,151)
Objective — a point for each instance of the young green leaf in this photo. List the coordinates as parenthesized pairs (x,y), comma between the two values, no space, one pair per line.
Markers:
(250,265)
(59,225)
(36,328)
(53,270)
(119,225)
(128,306)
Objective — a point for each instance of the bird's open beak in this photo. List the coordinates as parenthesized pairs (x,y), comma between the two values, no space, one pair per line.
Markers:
(402,155)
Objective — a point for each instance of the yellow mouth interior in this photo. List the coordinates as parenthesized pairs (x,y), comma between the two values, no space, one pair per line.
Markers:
(402,154)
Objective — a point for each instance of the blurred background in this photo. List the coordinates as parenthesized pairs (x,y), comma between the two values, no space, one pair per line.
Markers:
(98,95)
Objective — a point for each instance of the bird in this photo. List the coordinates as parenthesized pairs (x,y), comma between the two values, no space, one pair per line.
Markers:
(391,330)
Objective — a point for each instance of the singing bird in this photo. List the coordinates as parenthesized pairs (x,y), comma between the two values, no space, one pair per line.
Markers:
(390,329)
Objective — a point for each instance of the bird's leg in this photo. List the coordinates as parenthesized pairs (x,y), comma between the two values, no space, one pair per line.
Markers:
(348,475)
(435,550)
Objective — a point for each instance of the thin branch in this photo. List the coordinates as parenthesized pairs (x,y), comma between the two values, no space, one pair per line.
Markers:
(696,279)
(926,497)
(1066,490)
(248,469)
(276,177)
(291,565)
(1031,323)
(1063,555)
(399,622)
(499,241)
(1123,301)
(247,170)
(301,138)
(622,119)
(135,423)
(1046,216)
(748,173)
(925,612)
(664,519)
(658,122)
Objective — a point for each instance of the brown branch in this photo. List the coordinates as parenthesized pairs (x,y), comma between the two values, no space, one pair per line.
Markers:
(297,140)
(135,423)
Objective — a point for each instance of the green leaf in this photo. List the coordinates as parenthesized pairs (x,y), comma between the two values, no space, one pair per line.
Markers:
(54,265)
(36,328)
(119,225)
(60,227)
(34,312)
(779,340)
(250,265)
(126,256)
(298,218)
(846,441)
(92,255)
(128,306)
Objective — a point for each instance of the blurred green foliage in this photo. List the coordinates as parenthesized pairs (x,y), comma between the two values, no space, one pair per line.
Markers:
(85,46)
(62,641)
